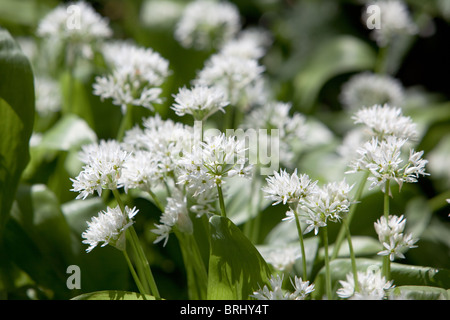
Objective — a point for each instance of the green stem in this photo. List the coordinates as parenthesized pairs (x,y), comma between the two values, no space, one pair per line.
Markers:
(139,266)
(350,215)
(381,62)
(386,260)
(126,123)
(141,259)
(221,201)
(327,263)
(352,255)
(302,245)
(133,273)
(155,199)
(146,266)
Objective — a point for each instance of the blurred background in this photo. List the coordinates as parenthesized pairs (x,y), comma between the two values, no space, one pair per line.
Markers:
(317,47)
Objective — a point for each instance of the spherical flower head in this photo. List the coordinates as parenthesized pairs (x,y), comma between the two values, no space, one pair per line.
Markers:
(199,101)
(103,168)
(136,77)
(75,21)
(391,236)
(395,20)
(372,286)
(368,89)
(330,202)
(109,227)
(232,74)
(207,24)
(286,188)
(384,120)
(383,159)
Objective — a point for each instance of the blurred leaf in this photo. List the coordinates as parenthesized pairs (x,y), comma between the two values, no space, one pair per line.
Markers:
(17,117)
(340,55)
(421,293)
(236,268)
(113,295)
(37,238)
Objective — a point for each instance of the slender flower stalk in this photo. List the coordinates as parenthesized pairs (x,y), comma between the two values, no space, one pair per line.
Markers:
(386,262)
(302,245)
(327,263)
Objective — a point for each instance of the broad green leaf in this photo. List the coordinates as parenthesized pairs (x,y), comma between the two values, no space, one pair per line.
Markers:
(362,246)
(113,295)
(340,55)
(400,274)
(236,268)
(421,293)
(17,117)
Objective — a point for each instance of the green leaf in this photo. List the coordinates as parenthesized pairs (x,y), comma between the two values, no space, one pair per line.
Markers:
(236,268)
(401,275)
(113,295)
(421,293)
(17,117)
(340,55)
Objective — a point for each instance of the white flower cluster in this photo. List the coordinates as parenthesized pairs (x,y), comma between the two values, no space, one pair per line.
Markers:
(301,289)
(372,286)
(207,24)
(199,101)
(76,22)
(391,235)
(289,188)
(384,120)
(395,20)
(136,75)
(382,158)
(215,159)
(367,89)
(109,227)
(175,214)
(104,162)
(329,202)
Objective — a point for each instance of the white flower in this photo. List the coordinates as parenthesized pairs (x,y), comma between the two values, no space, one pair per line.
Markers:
(276,292)
(199,101)
(175,214)
(160,14)
(136,77)
(367,89)
(76,21)
(301,289)
(103,168)
(140,170)
(372,286)
(395,20)
(383,160)
(289,188)
(232,74)
(391,236)
(207,24)
(109,227)
(329,202)
(48,96)
(209,163)
(385,121)
(248,44)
